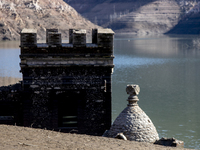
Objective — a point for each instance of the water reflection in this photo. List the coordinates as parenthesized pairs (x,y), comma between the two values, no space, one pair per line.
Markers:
(128,61)
(158,45)
(9,63)
(167,70)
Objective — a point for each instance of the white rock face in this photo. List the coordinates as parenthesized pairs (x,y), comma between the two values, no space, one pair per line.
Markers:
(134,123)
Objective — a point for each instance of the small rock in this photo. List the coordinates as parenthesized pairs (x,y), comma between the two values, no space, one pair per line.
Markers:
(170,142)
(121,136)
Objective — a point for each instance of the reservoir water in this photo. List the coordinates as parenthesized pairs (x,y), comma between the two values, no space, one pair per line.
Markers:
(167,69)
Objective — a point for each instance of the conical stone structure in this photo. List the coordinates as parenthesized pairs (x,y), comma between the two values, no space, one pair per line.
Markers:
(133,121)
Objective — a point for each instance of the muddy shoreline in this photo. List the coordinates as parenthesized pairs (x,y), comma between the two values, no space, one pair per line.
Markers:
(5,81)
(18,138)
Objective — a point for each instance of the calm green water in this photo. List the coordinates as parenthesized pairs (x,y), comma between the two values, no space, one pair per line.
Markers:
(167,69)
(9,59)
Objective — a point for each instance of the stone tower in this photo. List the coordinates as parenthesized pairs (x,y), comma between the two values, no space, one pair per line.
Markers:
(67,86)
(133,121)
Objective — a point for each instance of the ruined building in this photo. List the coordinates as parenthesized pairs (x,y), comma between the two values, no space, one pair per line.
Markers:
(65,86)
(133,122)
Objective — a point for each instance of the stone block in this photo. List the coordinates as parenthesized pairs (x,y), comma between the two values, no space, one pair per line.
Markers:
(105,38)
(78,38)
(47,33)
(54,38)
(28,37)
(170,142)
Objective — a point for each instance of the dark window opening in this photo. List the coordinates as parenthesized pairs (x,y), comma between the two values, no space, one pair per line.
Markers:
(67,110)
(7,113)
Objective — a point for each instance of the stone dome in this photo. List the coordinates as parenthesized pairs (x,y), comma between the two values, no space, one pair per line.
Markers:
(133,121)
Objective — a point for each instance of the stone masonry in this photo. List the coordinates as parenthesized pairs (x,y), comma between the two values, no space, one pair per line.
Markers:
(65,86)
(133,121)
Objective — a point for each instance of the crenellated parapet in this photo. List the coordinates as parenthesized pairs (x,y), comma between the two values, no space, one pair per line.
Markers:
(77,52)
(28,38)
(102,42)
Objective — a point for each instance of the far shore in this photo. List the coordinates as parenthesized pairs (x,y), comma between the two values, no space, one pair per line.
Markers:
(9,44)
(5,81)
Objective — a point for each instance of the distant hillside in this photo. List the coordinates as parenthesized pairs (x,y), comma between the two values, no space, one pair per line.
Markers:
(40,14)
(189,23)
(138,16)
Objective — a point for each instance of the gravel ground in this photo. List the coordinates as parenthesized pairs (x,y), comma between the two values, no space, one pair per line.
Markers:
(20,138)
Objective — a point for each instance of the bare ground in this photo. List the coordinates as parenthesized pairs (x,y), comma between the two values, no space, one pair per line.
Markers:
(20,138)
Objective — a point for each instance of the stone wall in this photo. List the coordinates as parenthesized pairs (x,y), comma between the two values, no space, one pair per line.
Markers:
(67,86)
(11,104)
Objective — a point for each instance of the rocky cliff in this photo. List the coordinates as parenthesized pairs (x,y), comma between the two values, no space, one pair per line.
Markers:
(138,16)
(189,23)
(40,14)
